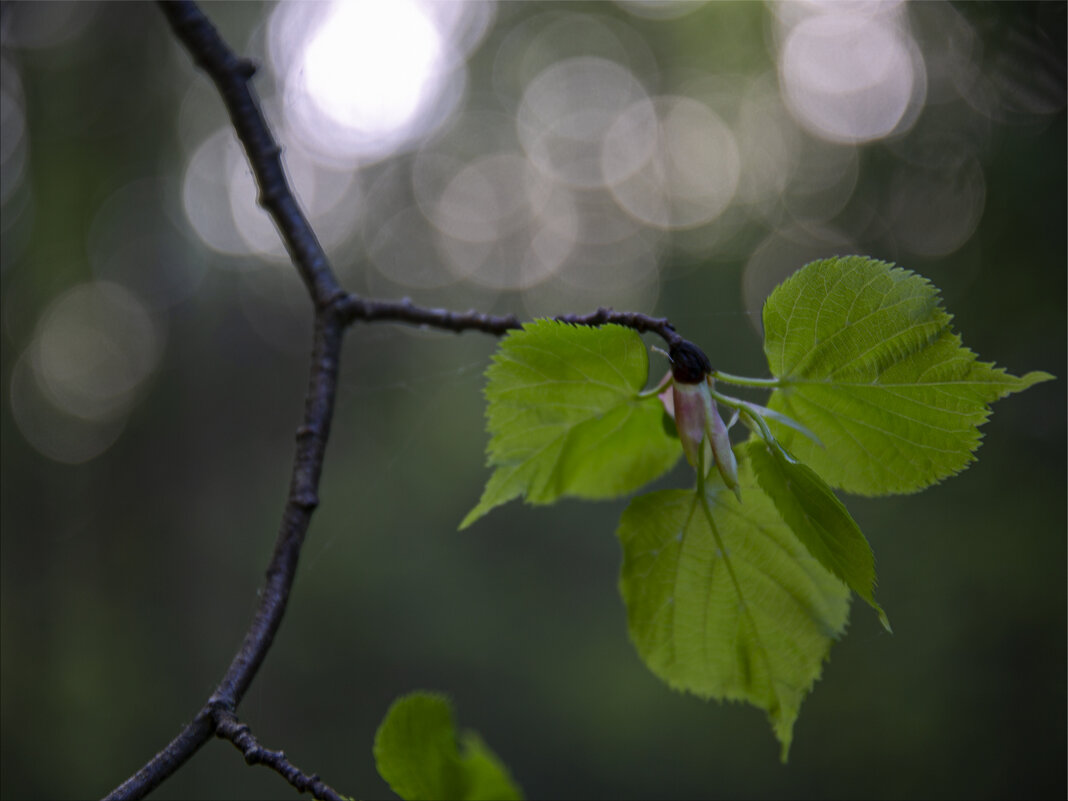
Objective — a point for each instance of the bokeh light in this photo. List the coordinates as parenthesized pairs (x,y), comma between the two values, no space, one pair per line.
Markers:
(93,351)
(535,43)
(363,80)
(566,114)
(660,9)
(137,240)
(936,209)
(677,162)
(851,72)
(95,346)
(536,159)
(578,169)
(13,150)
(27,26)
(206,193)
(221,201)
(50,431)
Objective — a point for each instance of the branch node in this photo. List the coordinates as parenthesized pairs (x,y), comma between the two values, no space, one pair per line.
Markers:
(220,706)
(246,68)
(307,432)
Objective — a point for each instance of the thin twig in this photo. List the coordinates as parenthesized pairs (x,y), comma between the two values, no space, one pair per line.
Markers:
(354,308)
(228,727)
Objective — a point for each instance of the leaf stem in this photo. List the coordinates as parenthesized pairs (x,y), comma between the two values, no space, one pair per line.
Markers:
(652,392)
(759,422)
(743,381)
(754,411)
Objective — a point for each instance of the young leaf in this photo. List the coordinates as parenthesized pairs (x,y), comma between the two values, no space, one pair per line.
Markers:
(416,753)
(867,360)
(724,601)
(565,417)
(811,510)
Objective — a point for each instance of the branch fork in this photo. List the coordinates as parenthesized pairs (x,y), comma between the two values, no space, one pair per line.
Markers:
(335,311)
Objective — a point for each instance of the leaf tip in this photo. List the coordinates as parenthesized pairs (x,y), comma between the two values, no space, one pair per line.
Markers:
(884,619)
(475,514)
(1037,377)
(786,738)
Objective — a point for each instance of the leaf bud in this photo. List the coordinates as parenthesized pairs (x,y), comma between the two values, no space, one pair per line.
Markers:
(689,365)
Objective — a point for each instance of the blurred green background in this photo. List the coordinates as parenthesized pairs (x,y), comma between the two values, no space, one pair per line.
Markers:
(677,159)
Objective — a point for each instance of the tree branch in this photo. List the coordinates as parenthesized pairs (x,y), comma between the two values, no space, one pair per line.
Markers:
(334,311)
(353,308)
(231,76)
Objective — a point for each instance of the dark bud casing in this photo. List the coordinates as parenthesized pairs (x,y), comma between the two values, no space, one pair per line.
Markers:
(689,365)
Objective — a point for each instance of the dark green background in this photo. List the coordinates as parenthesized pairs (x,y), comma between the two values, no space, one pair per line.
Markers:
(127,582)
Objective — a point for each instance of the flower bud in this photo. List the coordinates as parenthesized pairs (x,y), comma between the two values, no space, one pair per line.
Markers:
(702,432)
(690,415)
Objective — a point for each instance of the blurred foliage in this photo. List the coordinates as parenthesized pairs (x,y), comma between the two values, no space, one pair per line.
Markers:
(128,579)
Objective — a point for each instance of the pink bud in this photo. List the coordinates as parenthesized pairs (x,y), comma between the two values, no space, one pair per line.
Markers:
(702,432)
(690,415)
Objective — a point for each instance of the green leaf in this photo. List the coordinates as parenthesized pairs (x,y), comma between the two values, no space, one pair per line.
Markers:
(867,360)
(416,753)
(724,601)
(818,518)
(565,416)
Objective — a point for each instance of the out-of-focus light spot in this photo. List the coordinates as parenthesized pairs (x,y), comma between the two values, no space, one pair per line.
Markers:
(16,226)
(398,238)
(369,65)
(598,218)
(950,50)
(206,193)
(133,241)
(12,131)
(503,225)
(659,9)
(94,348)
(1024,75)
(779,256)
(403,249)
(767,146)
(687,162)
(566,113)
(470,136)
(935,211)
(852,74)
(489,198)
(368,79)
(200,114)
(613,266)
(329,198)
(540,41)
(550,297)
(824,179)
(221,200)
(41,25)
(50,431)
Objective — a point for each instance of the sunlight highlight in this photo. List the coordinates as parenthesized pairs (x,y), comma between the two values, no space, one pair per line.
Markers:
(370,65)
(366,80)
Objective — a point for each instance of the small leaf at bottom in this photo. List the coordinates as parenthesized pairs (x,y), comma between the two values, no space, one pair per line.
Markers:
(416,753)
